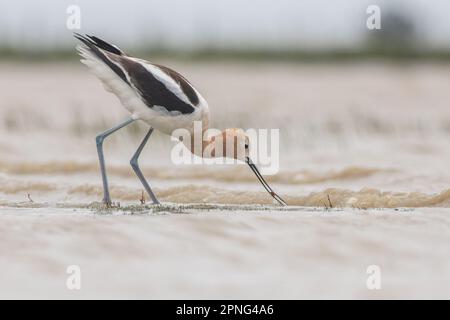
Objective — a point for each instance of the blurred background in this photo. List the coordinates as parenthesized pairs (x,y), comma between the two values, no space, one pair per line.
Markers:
(284,28)
(357,108)
(294,29)
(364,123)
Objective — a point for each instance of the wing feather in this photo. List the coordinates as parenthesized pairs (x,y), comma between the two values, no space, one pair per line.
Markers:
(157,86)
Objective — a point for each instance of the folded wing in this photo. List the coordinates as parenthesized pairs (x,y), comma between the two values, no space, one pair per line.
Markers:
(157,86)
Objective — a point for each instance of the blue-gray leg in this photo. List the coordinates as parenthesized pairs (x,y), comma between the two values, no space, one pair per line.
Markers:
(99,139)
(135,165)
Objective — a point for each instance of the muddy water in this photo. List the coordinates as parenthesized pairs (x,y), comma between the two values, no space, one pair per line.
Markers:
(355,139)
(372,135)
(210,253)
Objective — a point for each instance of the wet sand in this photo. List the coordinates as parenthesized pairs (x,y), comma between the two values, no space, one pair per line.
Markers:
(369,140)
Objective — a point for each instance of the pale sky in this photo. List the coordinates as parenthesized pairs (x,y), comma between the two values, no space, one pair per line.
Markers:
(179,24)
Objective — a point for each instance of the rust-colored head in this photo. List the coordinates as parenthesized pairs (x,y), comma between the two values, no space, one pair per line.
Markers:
(230,143)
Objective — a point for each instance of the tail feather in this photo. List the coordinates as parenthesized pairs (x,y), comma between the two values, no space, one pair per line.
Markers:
(106,46)
(96,46)
(102,44)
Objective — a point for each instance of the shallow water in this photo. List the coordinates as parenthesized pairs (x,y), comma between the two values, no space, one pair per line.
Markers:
(363,163)
(365,135)
(212,253)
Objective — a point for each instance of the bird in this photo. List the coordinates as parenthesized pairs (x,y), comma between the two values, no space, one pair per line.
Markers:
(164,100)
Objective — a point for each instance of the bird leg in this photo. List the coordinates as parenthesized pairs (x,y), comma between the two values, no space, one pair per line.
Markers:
(99,140)
(135,165)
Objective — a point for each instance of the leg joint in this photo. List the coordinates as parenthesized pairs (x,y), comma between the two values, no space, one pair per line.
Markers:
(99,139)
(134,163)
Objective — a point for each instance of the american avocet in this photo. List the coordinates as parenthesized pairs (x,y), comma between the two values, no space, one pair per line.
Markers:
(159,96)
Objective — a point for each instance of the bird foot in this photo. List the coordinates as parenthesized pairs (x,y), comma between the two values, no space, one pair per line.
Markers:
(104,205)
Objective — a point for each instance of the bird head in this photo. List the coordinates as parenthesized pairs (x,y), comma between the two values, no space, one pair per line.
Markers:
(231,143)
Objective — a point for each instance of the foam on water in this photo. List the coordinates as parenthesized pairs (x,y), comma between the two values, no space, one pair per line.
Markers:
(238,173)
(328,198)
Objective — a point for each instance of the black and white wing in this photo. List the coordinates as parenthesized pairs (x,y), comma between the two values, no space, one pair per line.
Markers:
(160,86)
(157,86)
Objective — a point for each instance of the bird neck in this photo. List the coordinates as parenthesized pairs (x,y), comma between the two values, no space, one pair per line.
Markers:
(199,146)
(205,147)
